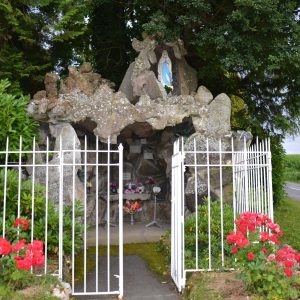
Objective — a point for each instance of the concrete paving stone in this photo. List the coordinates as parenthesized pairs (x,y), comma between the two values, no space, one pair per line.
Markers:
(137,233)
(139,282)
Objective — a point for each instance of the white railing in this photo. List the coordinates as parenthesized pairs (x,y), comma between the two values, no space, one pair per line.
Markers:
(236,175)
(55,172)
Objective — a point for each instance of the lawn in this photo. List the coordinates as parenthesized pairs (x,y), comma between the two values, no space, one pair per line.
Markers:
(292,168)
(287,216)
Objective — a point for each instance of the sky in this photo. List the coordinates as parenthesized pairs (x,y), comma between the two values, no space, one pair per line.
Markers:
(292,145)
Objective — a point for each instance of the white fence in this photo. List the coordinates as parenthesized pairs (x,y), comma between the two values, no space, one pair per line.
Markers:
(46,181)
(216,180)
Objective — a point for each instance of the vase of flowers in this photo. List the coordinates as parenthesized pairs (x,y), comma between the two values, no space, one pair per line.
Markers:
(131,208)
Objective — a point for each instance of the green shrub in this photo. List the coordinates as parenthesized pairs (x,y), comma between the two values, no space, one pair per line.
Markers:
(39,214)
(292,168)
(15,121)
(190,235)
(278,154)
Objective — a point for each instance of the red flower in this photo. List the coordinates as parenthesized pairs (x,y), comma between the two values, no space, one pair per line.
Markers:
(18,222)
(264,236)
(5,247)
(19,246)
(289,264)
(25,225)
(273,238)
(231,237)
(24,264)
(234,250)
(23,222)
(241,241)
(264,250)
(250,256)
(38,260)
(36,245)
(288,272)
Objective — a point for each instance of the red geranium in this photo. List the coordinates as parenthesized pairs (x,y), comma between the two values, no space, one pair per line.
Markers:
(250,256)
(264,250)
(19,246)
(24,263)
(234,250)
(5,247)
(288,272)
(23,222)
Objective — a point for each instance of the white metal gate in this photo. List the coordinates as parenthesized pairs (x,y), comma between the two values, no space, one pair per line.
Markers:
(49,180)
(211,166)
(177,217)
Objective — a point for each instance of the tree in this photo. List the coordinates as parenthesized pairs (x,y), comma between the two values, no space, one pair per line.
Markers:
(38,36)
(22,57)
(251,48)
(248,49)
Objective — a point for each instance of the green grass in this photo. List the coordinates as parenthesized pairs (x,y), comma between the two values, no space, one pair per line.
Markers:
(34,288)
(287,216)
(292,168)
(155,259)
(197,288)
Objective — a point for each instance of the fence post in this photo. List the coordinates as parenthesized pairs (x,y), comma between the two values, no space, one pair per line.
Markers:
(246,175)
(60,209)
(270,182)
(121,275)
(182,157)
(5,187)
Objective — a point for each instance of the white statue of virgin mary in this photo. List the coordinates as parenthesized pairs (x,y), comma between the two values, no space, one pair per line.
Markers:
(165,70)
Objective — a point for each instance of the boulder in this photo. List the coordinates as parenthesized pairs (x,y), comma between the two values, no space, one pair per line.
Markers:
(67,134)
(39,95)
(126,85)
(85,68)
(203,96)
(187,78)
(219,111)
(50,82)
(147,83)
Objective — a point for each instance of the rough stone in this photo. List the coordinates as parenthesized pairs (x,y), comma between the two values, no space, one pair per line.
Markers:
(67,134)
(145,168)
(203,96)
(187,80)
(50,81)
(219,111)
(88,96)
(147,83)
(39,95)
(86,68)
(126,85)
(43,105)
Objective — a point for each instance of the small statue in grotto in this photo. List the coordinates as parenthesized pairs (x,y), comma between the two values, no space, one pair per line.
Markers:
(165,70)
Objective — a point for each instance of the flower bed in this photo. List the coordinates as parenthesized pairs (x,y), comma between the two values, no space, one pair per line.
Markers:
(268,268)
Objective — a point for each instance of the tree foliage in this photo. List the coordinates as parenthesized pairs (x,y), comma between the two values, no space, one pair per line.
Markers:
(37,35)
(248,49)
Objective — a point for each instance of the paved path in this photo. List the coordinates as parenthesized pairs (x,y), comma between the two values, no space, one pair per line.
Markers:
(137,233)
(293,190)
(139,282)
